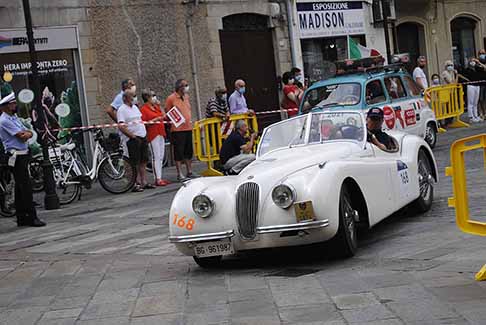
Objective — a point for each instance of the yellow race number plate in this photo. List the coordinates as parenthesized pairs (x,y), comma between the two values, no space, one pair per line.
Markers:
(304,211)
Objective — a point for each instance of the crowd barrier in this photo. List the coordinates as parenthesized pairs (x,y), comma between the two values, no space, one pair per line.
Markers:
(447,101)
(460,200)
(208,135)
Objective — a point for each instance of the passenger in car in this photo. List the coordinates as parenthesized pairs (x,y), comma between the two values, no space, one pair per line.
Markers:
(374,122)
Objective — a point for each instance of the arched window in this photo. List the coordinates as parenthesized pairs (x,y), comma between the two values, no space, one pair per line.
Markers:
(463,31)
(411,39)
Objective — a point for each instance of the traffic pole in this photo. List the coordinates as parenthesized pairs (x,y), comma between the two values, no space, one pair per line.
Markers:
(385,13)
(51,200)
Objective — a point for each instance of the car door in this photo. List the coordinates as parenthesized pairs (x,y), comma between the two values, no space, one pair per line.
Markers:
(416,102)
(380,195)
(400,113)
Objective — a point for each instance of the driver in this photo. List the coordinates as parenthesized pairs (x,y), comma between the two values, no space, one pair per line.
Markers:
(374,122)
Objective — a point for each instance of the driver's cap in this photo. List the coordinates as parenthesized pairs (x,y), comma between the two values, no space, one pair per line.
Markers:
(375,112)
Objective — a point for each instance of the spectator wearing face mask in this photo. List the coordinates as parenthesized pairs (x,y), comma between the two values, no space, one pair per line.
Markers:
(127,85)
(298,77)
(151,112)
(218,105)
(474,73)
(482,85)
(181,136)
(435,80)
(449,75)
(292,95)
(237,100)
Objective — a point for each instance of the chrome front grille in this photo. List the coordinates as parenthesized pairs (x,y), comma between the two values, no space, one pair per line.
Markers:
(247,199)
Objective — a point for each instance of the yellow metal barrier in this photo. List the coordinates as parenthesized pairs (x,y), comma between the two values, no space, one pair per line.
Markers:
(447,101)
(208,135)
(460,200)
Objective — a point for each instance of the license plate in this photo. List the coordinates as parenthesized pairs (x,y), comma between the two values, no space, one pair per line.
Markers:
(304,211)
(214,248)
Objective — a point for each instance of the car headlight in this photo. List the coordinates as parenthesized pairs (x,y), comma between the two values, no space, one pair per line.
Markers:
(283,196)
(202,206)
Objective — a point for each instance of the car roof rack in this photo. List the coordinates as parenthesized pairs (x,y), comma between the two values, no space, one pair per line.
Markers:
(366,65)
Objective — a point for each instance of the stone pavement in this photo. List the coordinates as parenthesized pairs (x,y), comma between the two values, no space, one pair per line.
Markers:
(106,260)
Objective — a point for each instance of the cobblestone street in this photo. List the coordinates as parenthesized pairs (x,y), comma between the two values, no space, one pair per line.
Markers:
(107,260)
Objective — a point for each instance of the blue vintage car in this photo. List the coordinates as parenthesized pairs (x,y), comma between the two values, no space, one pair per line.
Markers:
(390,88)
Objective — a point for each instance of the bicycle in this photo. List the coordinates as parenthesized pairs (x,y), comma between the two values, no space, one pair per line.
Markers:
(114,171)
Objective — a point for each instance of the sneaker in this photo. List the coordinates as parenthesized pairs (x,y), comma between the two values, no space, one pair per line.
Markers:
(193,175)
(182,178)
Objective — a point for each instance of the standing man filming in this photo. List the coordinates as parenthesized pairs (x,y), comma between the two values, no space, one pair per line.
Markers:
(14,137)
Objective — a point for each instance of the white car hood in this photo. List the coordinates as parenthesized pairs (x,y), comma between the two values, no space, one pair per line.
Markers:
(273,168)
(283,162)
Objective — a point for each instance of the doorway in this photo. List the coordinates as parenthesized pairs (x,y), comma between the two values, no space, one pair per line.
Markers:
(248,54)
(463,31)
(411,40)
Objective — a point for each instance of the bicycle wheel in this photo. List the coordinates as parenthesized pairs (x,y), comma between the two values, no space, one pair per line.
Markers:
(7,194)
(36,175)
(116,174)
(66,191)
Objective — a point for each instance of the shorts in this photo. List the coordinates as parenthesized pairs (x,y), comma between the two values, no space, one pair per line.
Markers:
(182,142)
(138,150)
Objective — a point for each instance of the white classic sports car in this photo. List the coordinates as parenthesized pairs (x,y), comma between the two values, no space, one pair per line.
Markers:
(316,178)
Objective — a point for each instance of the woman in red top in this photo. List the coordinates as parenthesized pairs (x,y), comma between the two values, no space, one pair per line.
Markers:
(292,95)
(151,112)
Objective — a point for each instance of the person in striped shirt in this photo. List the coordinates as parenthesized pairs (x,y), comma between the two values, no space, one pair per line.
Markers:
(218,105)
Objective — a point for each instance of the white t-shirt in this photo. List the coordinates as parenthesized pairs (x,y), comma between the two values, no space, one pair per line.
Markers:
(129,114)
(418,73)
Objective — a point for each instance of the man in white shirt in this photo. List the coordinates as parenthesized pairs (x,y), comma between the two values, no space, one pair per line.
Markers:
(127,85)
(134,134)
(419,74)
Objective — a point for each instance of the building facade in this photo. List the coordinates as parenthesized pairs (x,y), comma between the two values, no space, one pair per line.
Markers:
(86,47)
(440,30)
(322,31)
(210,43)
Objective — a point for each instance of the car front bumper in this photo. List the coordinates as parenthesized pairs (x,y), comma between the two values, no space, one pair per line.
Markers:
(267,236)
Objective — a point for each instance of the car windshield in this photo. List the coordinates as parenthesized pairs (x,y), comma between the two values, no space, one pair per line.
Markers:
(288,133)
(323,127)
(346,94)
(336,126)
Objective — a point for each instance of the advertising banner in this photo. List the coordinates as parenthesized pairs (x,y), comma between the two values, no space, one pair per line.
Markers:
(330,19)
(45,38)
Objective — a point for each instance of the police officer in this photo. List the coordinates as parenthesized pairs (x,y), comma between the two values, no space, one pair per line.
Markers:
(374,123)
(14,137)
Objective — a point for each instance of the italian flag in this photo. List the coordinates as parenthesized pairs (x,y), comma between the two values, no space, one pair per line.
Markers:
(358,51)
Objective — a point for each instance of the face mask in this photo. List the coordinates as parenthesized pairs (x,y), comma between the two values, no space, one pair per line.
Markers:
(224,97)
(186,89)
(291,81)
(242,90)
(482,57)
(472,64)
(298,78)
(450,68)
(435,81)
(153,99)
